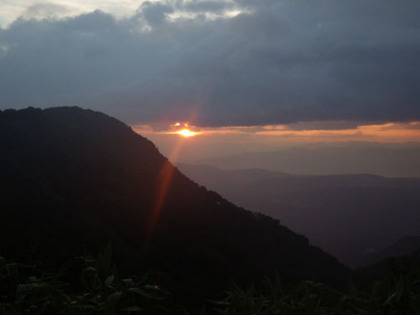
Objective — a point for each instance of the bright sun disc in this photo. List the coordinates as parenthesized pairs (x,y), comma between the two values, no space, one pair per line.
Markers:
(186,133)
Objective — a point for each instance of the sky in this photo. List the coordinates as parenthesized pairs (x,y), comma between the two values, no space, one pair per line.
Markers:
(251,71)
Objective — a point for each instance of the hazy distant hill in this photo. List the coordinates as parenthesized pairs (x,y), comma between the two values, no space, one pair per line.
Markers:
(70,179)
(405,246)
(391,160)
(350,216)
(227,180)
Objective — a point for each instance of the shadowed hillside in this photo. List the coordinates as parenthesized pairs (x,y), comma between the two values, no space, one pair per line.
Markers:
(70,179)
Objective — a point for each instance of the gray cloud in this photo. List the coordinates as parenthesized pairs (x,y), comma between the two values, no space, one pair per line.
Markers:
(154,14)
(326,125)
(282,62)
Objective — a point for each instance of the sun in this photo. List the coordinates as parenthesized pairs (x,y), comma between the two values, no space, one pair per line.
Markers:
(186,133)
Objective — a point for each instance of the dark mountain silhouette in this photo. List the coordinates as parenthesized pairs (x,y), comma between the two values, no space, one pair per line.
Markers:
(352,217)
(398,260)
(70,179)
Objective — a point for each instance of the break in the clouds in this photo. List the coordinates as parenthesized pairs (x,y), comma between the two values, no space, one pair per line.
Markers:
(218,63)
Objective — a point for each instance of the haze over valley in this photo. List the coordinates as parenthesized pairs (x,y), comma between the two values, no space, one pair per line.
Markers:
(352,217)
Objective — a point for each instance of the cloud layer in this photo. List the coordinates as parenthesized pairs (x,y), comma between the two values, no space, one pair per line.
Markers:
(221,63)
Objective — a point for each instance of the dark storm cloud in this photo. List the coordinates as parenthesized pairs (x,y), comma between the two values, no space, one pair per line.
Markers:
(280,62)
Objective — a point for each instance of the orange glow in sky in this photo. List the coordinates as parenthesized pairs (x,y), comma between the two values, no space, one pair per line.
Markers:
(385,132)
(186,133)
(204,142)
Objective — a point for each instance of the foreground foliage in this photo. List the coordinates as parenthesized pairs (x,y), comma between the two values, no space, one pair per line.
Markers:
(397,293)
(80,286)
(85,285)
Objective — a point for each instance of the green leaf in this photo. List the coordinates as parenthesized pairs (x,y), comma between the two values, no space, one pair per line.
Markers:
(112,303)
(109,280)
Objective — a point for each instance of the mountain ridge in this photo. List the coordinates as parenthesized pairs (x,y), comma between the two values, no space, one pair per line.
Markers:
(72,178)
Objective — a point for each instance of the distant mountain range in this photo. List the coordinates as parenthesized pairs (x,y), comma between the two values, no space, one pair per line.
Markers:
(390,160)
(72,179)
(353,217)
